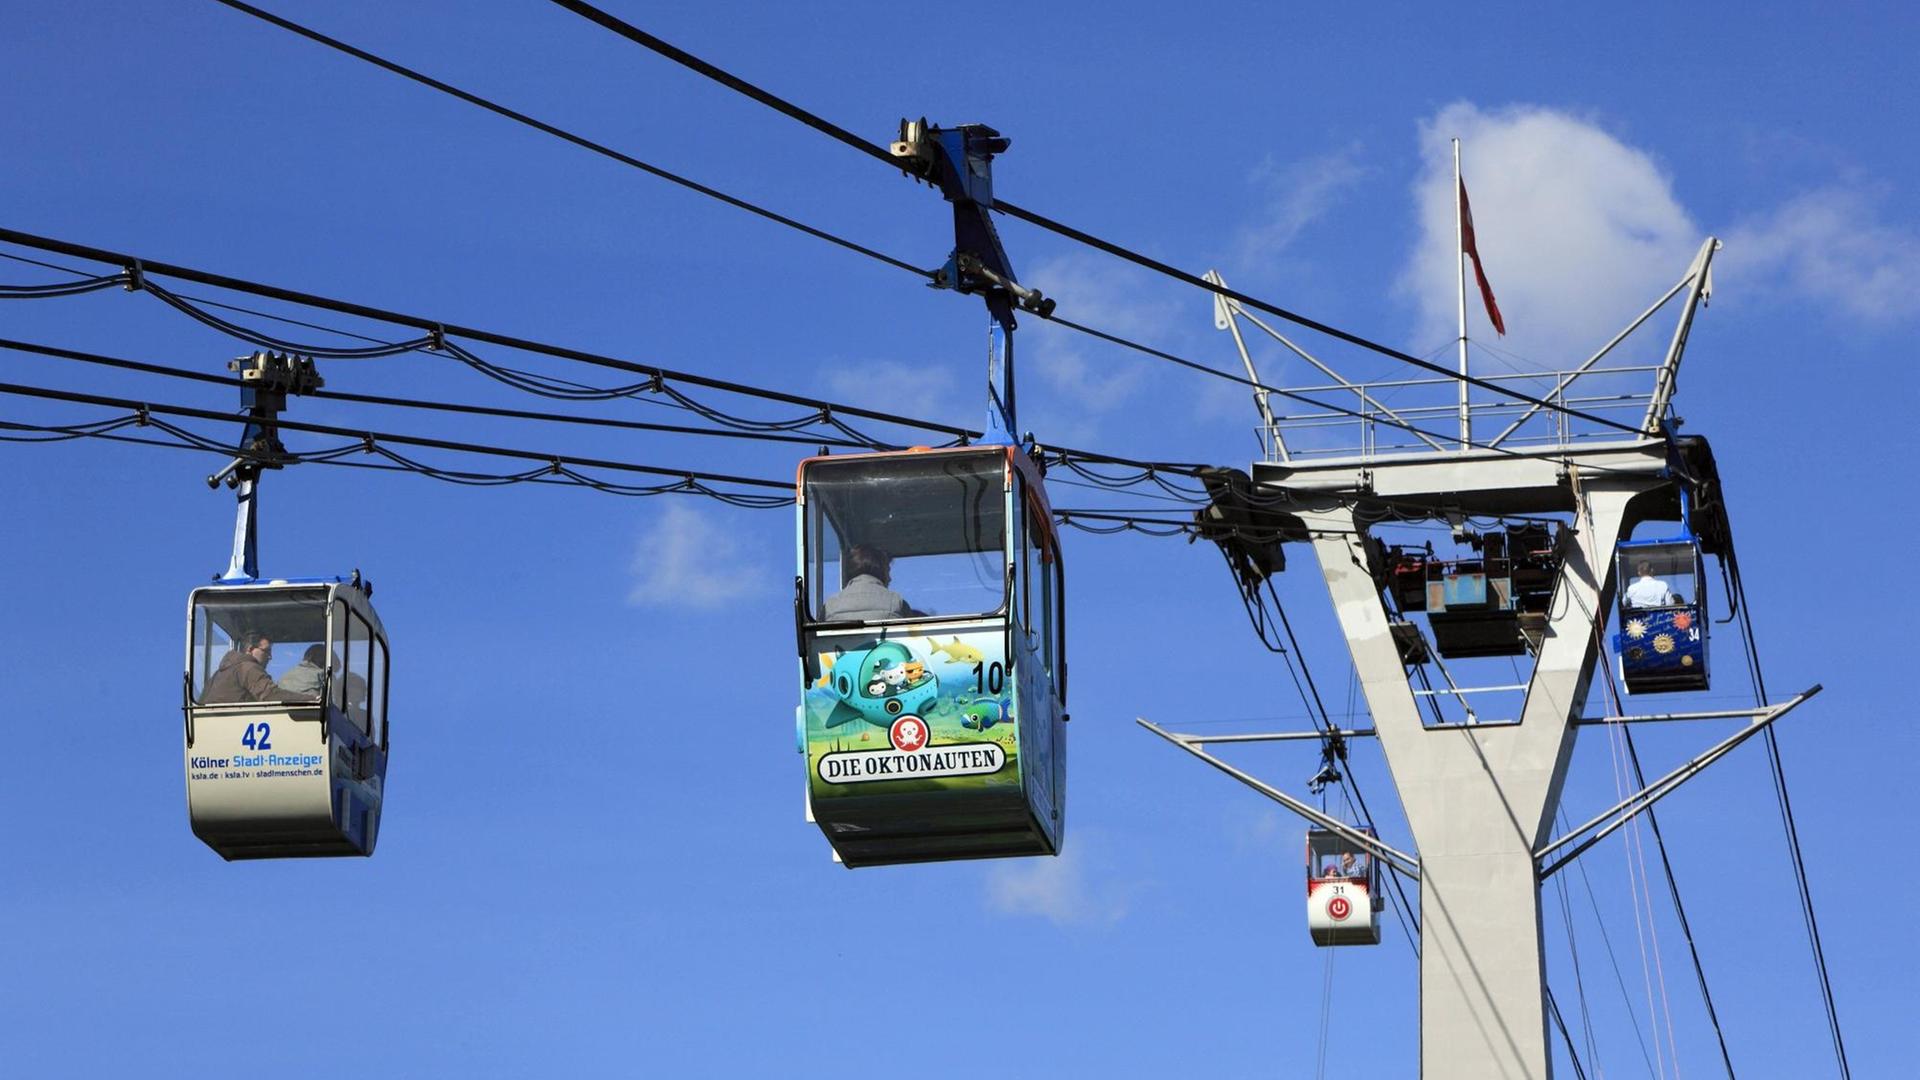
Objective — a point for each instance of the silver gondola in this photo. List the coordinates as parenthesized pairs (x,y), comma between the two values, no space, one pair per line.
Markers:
(284,691)
(301,773)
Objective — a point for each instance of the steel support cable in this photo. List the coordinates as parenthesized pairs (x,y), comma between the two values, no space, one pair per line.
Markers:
(204,301)
(1660,845)
(63,288)
(578,140)
(555,461)
(1559,1022)
(36,433)
(188,440)
(541,385)
(1579,977)
(1006,207)
(445,329)
(835,131)
(1634,850)
(268,341)
(1786,814)
(59,353)
(561,352)
(1613,959)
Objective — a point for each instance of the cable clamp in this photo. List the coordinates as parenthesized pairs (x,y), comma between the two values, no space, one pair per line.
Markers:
(142,415)
(366,443)
(136,276)
(656,384)
(554,467)
(437,338)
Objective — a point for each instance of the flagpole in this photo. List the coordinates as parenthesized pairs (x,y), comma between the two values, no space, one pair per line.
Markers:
(1460,268)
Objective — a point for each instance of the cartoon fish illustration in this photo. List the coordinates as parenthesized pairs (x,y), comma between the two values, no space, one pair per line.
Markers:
(956,651)
(982,715)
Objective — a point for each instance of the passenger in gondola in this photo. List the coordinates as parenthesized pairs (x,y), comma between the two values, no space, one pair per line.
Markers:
(866,595)
(242,674)
(1647,590)
(356,698)
(306,677)
(1353,865)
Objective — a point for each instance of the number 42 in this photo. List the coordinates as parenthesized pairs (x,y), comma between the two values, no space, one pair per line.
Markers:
(257,742)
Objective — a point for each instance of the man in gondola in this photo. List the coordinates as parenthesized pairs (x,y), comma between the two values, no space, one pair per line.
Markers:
(865,595)
(1647,590)
(242,674)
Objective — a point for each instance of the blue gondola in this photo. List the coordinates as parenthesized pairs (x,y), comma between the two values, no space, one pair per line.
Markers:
(285,686)
(930,613)
(1662,591)
(1662,643)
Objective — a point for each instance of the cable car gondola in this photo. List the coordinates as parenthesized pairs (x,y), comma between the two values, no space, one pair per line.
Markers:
(929,609)
(286,694)
(1662,641)
(1343,890)
(285,685)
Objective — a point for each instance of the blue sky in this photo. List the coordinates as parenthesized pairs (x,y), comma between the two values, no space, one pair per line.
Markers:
(593,860)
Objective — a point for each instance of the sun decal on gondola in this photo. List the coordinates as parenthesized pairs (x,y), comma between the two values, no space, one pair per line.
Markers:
(1682,620)
(1636,628)
(1663,643)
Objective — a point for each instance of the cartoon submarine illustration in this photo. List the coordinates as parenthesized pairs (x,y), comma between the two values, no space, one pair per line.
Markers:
(877,684)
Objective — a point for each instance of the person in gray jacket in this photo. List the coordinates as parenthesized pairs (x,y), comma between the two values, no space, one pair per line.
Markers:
(865,595)
(306,677)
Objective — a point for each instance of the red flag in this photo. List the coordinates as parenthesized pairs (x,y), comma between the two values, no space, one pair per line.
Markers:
(1480,275)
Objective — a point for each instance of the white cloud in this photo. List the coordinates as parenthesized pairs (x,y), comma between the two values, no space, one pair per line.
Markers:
(909,389)
(1830,246)
(1578,231)
(1297,194)
(1062,889)
(1104,293)
(685,559)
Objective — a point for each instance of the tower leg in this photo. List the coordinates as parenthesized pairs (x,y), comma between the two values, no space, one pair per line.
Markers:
(1479,798)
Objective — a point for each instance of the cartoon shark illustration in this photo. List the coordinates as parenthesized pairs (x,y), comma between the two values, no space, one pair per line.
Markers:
(956,651)
(859,680)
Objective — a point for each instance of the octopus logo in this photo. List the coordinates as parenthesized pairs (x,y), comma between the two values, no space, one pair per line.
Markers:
(909,733)
(1339,908)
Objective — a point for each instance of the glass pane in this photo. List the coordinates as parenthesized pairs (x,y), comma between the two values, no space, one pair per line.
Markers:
(1657,575)
(357,681)
(258,645)
(377,693)
(1030,570)
(1332,856)
(336,695)
(907,536)
(1049,586)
